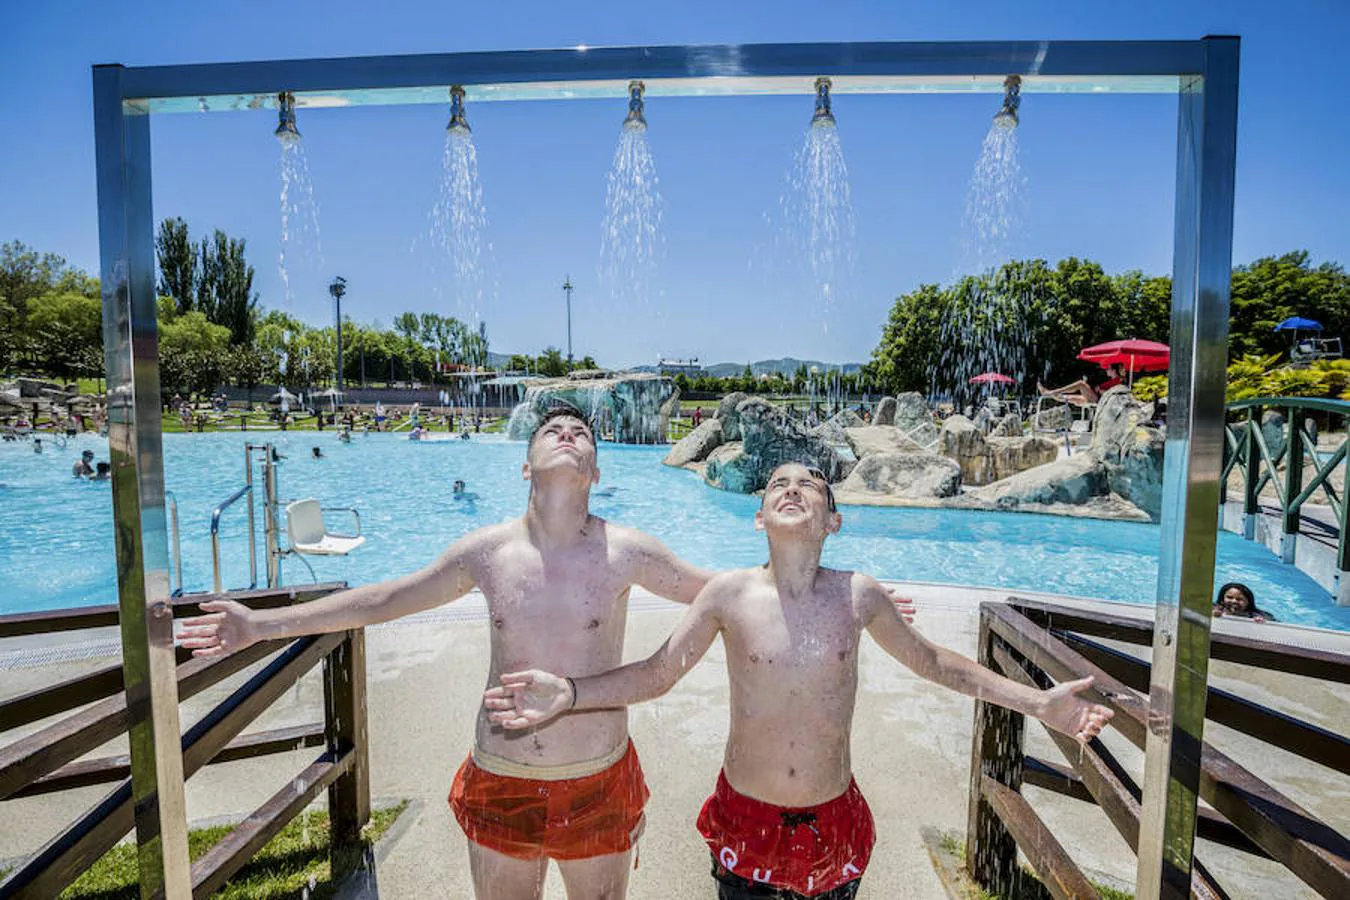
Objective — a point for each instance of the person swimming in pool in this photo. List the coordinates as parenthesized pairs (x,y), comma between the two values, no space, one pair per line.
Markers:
(1237,600)
(786,819)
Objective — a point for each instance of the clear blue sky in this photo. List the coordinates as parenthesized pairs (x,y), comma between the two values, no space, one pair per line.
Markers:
(1099,170)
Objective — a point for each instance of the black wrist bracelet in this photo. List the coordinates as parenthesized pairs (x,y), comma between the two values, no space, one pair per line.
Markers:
(573,685)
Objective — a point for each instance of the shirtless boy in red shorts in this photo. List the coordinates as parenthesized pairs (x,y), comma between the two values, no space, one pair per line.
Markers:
(786,819)
(556,582)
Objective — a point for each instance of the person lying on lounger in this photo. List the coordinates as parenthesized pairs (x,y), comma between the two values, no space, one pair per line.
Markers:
(1080,392)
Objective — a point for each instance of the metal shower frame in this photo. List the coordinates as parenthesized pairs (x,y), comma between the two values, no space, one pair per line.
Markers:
(1203,73)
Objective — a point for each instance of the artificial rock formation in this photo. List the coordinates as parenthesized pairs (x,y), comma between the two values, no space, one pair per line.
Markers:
(868,439)
(914,420)
(884,414)
(832,431)
(731,420)
(1130,449)
(636,407)
(697,444)
(911,476)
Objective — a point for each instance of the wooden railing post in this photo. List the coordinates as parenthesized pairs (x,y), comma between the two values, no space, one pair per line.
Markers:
(344,694)
(996,751)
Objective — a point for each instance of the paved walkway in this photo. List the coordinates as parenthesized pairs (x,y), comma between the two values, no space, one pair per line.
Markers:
(911,755)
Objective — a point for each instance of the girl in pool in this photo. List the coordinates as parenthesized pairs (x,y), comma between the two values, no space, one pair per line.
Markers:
(1236,599)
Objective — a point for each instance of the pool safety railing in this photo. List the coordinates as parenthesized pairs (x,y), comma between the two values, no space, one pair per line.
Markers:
(271,530)
(1201,74)
(1040,644)
(94,708)
(1283,456)
(176,547)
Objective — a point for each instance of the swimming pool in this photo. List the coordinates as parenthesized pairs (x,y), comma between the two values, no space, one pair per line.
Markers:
(56,544)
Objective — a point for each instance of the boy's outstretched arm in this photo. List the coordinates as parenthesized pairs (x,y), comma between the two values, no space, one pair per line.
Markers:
(529,698)
(665,574)
(229,626)
(1061,707)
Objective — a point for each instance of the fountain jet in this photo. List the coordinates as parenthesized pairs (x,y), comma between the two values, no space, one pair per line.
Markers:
(459,123)
(635,120)
(1007,117)
(286,131)
(823,117)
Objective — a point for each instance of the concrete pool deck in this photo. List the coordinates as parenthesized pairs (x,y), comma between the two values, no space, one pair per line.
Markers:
(911,749)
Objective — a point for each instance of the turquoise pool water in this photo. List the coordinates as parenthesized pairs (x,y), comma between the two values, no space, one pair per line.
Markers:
(56,545)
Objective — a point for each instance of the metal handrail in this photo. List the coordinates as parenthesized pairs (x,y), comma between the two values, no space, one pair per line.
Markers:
(215,539)
(177,546)
(1259,463)
(349,509)
(1325,404)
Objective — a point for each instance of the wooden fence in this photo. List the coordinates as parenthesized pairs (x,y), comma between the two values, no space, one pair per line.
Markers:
(95,709)
(1038,644)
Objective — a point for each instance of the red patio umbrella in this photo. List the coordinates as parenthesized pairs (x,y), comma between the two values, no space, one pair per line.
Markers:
(1133,354)
(991,378)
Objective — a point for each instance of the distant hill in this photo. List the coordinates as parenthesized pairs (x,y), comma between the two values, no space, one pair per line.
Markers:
(786,366)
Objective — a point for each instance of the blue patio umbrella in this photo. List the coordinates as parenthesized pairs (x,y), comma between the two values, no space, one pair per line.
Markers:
(1298,323)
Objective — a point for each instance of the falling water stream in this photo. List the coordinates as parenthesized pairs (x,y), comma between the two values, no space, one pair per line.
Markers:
(461,252)
(819,228)
(631,241)
(987,330)
(300,239)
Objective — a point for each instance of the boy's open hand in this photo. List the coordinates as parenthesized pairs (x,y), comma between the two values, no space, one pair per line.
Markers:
(528,698)
(227,626)
(1069,713)
(903,605)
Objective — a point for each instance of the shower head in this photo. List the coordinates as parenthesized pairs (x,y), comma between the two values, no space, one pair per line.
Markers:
(1007,116)
(823,117)
(286,131)
(635,120)
(459,123)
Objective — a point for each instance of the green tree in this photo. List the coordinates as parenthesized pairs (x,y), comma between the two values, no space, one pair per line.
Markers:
(178,264)
(551,363)
(1273,288)
(66,334)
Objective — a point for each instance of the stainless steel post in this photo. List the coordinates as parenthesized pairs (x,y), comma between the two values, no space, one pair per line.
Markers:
(130,342)
(252,531)
(1201,272)
(271,528)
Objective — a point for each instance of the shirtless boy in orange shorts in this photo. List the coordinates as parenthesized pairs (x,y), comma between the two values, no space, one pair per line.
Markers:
(786,819)
(556,582)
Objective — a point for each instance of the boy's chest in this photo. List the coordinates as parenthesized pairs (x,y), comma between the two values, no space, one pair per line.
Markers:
(806,640)
(584,590)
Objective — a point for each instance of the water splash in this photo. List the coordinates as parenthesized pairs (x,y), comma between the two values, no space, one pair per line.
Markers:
(631,240)
(986,329)
(818,227)
(300,238)
(458,227)
(995,210)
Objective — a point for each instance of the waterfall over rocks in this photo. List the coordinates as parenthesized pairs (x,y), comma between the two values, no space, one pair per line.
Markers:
(633,408)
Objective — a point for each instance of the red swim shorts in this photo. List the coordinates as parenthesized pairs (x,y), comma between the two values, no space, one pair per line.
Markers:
(574,818)
(809,850)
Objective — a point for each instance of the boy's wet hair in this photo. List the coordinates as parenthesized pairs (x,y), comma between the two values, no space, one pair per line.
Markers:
(815,472)
(561,411)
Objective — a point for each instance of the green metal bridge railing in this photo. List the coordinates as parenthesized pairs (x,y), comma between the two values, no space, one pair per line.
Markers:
(1280,456)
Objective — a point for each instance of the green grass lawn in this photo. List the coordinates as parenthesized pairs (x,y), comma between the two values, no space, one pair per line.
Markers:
(1028,886)
(293,864)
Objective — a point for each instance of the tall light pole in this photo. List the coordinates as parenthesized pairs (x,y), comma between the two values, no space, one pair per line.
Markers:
(567,289)
(337,289)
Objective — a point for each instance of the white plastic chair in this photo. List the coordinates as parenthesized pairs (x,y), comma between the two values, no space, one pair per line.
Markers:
(309,534)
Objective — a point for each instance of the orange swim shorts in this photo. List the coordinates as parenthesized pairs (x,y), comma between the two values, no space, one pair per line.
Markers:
(571,818)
